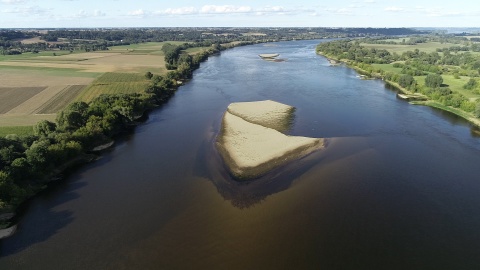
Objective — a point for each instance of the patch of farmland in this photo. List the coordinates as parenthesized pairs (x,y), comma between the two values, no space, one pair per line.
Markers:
(60,100)
(10,120)
(115,77)
(114,83)
(11,97)
(19,130)
(39,77)
(31,105)
(95,90)
(125,63)
(59,68)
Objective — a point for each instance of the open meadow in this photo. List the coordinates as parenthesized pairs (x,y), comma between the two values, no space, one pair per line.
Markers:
(35,86)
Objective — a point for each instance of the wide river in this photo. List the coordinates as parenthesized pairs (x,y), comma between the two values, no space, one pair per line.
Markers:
(398,186)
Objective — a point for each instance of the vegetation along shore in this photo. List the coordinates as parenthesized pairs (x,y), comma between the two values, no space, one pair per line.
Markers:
(437,70)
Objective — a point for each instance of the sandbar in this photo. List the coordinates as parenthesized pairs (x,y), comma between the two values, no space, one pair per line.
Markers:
(266,113)
(268,55)
(4,233)
(251,149)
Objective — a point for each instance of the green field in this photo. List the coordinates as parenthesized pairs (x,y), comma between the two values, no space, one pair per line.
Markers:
(196,50)
(114,83)
(49,71)
(19,130)
(32,56)
(147,47)
(455,85)
(398,48)
(387,67)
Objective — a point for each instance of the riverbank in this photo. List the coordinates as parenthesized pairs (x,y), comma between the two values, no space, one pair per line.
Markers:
(411,97)
(95,127)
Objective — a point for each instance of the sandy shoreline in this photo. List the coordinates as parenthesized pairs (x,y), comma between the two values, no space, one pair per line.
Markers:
(251,149)
(4,233)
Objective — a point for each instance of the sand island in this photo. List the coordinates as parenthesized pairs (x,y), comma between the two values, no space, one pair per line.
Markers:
(268,55)
(251,142)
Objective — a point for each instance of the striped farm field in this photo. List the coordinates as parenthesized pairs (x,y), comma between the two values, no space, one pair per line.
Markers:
(11,97)
(61,99)
(35,87)
(114,77)
(114,83)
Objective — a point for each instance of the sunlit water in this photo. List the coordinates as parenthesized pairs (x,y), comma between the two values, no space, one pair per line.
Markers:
(398,186)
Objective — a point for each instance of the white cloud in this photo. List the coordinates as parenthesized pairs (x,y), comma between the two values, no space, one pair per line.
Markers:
(394,9)
(273,9)
(138,12)
(13,1)
(178,11)
(27,10)
(226,9)
(98,13)
(85,14)
(340,11)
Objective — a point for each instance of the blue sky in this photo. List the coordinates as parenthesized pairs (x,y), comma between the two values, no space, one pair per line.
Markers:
(248,13)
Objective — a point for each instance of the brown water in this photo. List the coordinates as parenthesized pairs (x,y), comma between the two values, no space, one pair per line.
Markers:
(398,186)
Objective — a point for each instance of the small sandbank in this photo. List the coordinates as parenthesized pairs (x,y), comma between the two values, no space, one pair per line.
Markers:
(251,146)
(412,97)
(4,233)
(268,55)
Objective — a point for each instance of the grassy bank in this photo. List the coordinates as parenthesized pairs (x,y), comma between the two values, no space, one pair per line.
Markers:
(472,119)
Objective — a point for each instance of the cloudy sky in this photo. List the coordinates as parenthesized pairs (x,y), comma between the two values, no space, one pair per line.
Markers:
(161,13)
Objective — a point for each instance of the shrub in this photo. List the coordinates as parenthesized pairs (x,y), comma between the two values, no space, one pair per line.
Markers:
(471,84)
(433,80)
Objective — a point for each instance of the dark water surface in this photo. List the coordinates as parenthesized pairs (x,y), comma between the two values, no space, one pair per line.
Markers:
(397,188)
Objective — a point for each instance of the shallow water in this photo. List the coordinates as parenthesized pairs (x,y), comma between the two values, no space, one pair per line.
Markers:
(398,186)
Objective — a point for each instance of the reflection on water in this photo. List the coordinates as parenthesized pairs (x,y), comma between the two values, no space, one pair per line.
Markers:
(244,194)
(396,188)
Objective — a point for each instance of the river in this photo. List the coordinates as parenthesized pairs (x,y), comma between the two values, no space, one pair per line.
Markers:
(398,186)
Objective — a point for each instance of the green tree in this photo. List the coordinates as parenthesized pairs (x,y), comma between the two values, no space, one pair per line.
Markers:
(471,84)
(74,116)
(477,110)
(433,80)
(406,80)
(148,75)
(37,156)
(44,127)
